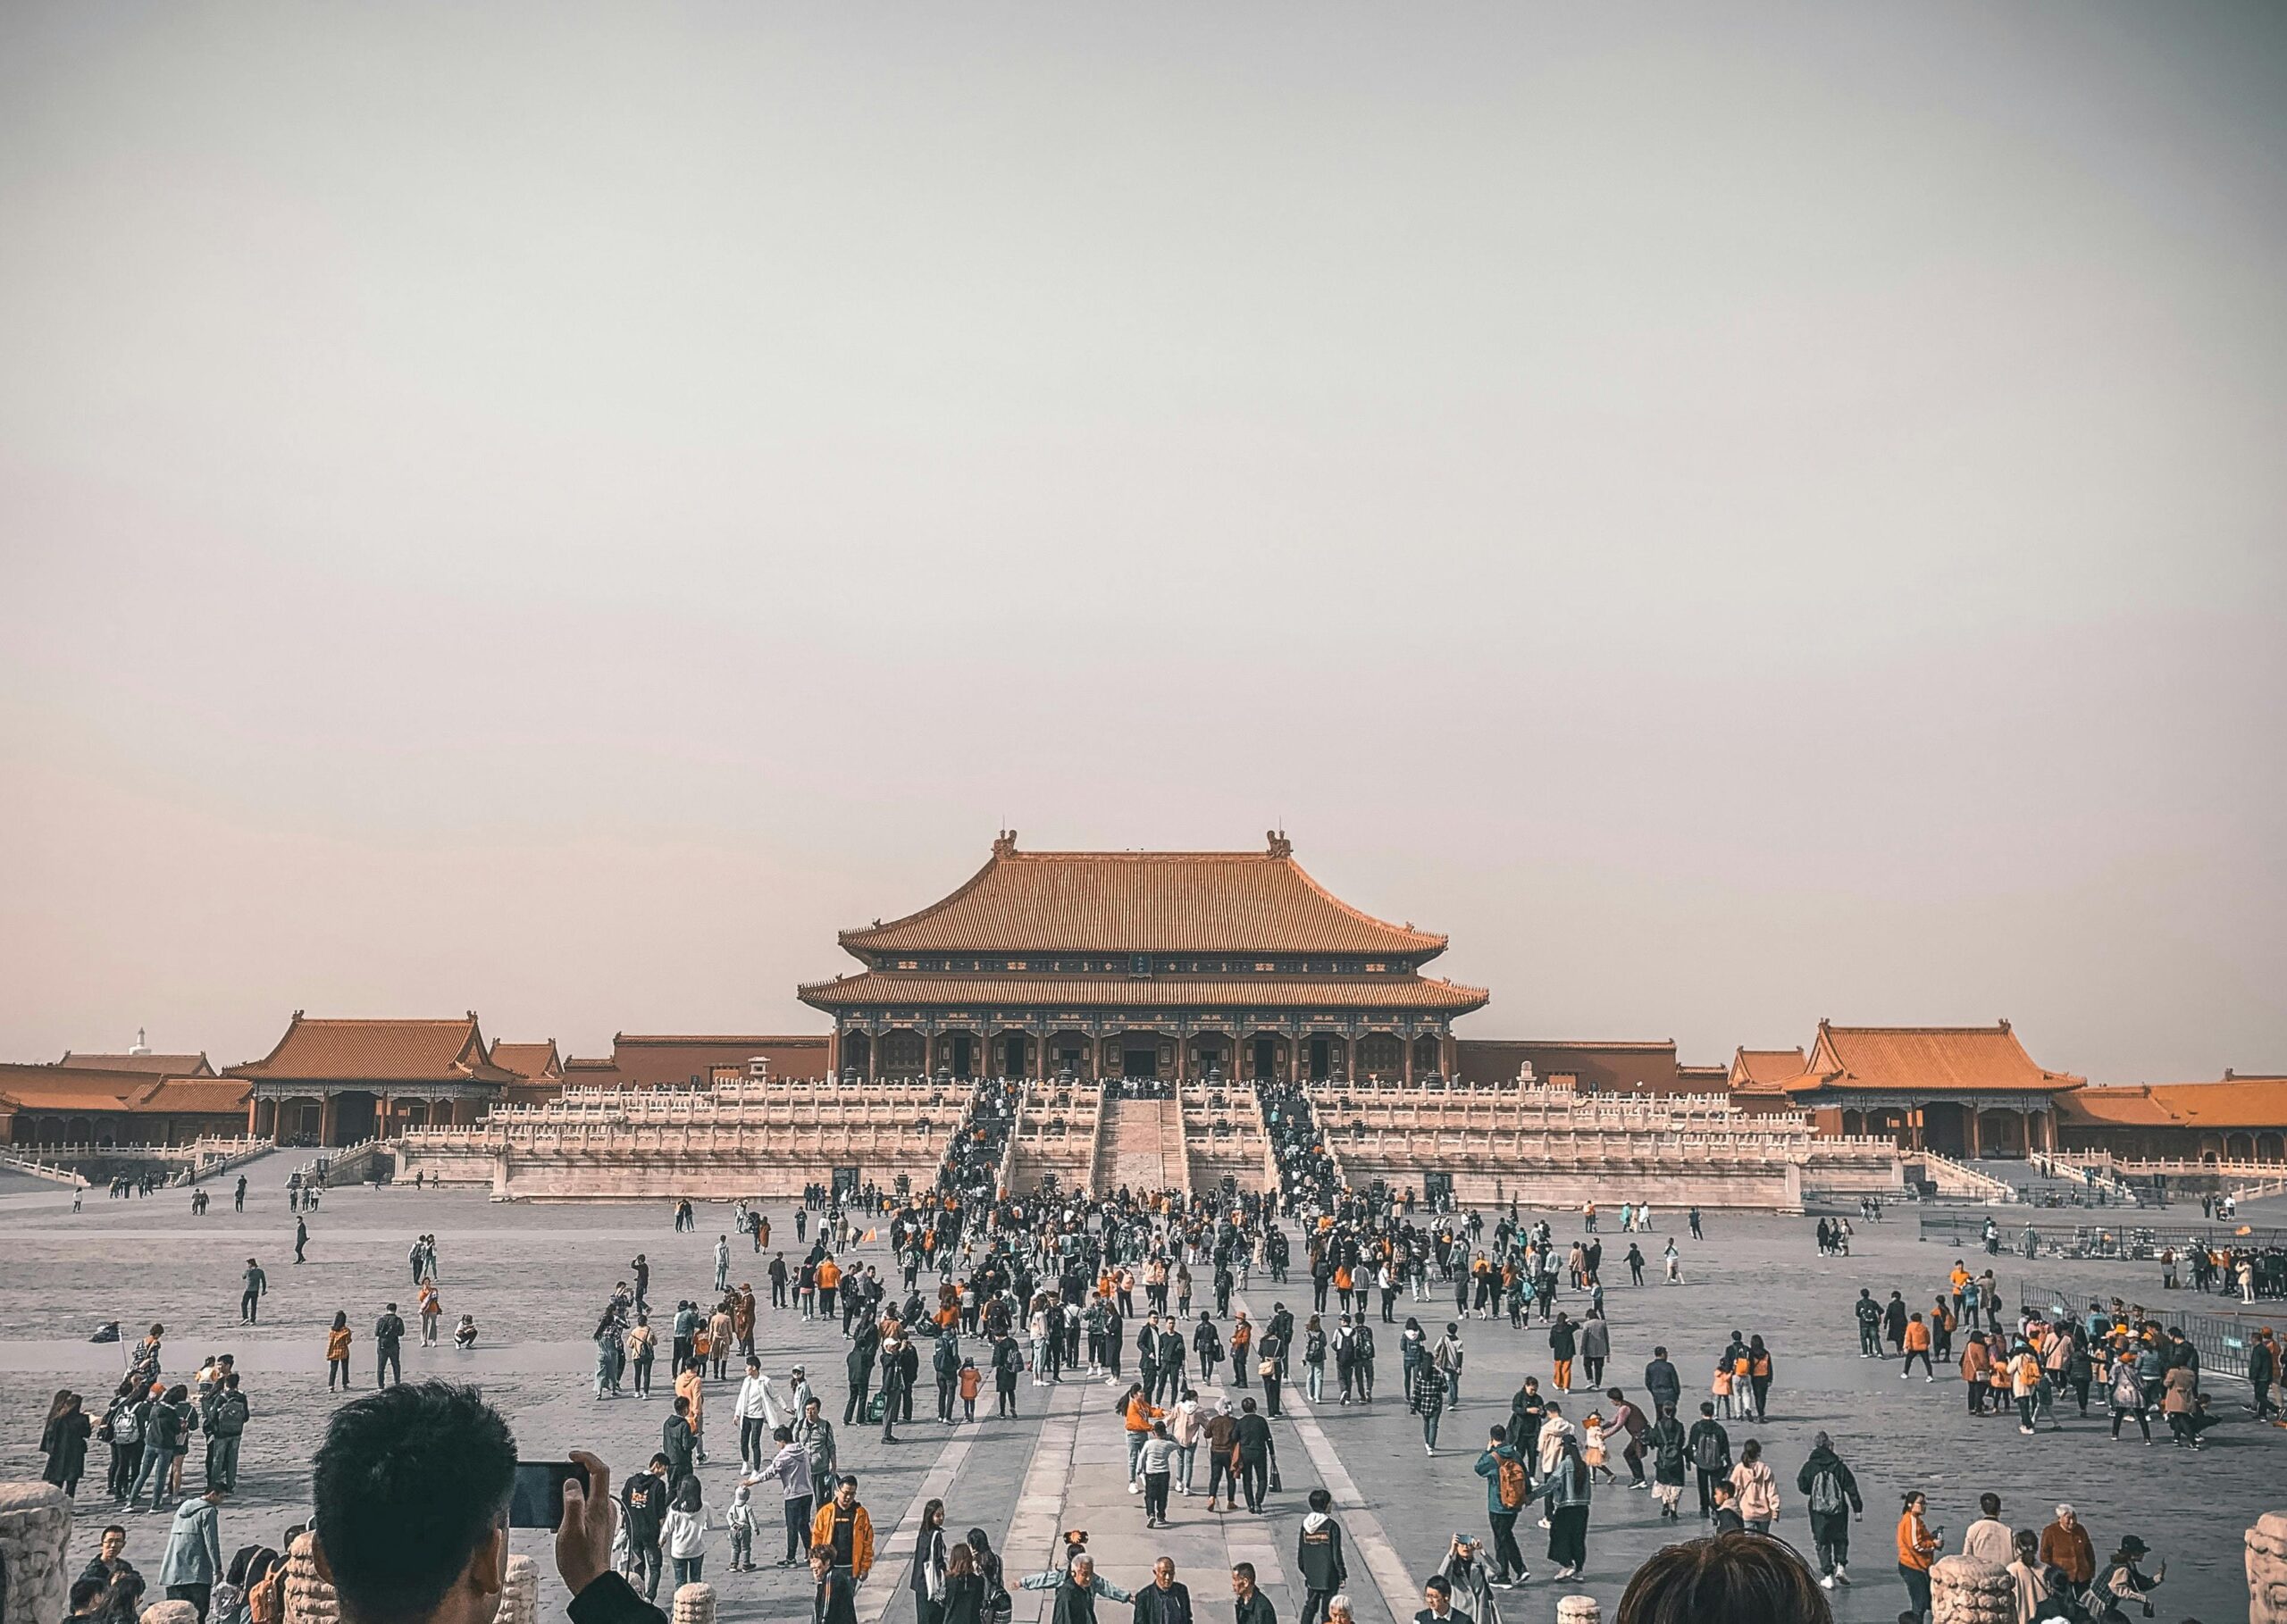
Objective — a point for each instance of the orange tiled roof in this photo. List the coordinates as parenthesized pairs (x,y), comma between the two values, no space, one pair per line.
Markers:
(1142,902)
(379,1052)
(528,1060)
(192,1096)
(86,1089)
(156,1065)
(2117,1108)
(874,989)
(2235,1102)
(1764,1071)
(38,1086)
(1929,1059)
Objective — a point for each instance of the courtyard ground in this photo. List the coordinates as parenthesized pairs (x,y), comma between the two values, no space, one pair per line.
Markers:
(535,1277)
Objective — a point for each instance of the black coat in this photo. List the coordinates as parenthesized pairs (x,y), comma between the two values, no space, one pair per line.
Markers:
(1254,1437)
(65,1444)
(929,1555)
(1172,1605)
(1318,1553)
(835,1602)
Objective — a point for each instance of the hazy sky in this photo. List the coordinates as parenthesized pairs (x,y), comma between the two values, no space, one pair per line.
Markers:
(1736,514)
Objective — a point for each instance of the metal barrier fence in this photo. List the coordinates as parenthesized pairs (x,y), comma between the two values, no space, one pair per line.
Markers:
(2222,1340)
(2132,1241)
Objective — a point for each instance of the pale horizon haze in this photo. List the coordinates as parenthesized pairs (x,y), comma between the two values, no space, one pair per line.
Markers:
(1736,514)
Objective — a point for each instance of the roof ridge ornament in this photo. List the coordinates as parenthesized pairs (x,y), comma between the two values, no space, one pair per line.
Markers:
(1280,846)
(1004,844)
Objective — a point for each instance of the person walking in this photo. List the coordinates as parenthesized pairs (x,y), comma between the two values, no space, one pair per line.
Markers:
(643,1514)
(1756,1488)
(1709,1447)
(1665,1438)
(845,1528)
(1564,1341)
(1319,1557)
(1595,1346)
(1166,1600)
(192,1559)
(1156,1463)
(250,1297)
(686,1532)
(756,1409)
(1830,1495)
(1253,1443)
(1567,1491)
(790,1467)
(1508,1488)
(301,1238)
(1428,1399)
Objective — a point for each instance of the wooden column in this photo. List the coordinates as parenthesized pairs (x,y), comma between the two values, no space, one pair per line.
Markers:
(1970,1140)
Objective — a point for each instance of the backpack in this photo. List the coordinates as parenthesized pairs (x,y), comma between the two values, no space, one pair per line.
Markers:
(229,1417)
(1511,1483)
(1707,1452)
(1826,1492)
(126,1426)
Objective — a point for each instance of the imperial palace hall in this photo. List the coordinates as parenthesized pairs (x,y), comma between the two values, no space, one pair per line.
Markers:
(1149,965)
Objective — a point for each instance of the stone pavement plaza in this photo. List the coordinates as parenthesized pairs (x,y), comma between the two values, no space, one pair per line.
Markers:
(535,1277)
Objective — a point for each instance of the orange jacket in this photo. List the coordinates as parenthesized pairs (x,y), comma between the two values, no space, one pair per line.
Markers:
(1917,1547)
(1917,1337)
(861,1536)
(829,1274)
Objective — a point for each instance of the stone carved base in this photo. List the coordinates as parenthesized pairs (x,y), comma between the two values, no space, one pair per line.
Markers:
(309,1599)
(520,1597)
(694,1604)
(1965,1592)
(1579,1610)
(2266,1563)
(34,1530)
(168,1613)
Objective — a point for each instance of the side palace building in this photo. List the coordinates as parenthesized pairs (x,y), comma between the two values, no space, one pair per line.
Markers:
(1171,964)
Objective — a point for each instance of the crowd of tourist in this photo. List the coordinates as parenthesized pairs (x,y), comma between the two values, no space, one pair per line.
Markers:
(1196,1308)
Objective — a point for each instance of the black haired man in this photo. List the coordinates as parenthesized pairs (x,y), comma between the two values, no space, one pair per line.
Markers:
(411,1489)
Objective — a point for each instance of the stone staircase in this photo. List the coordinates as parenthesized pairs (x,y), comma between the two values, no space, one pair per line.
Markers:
(2033,1181)
(1140,1146)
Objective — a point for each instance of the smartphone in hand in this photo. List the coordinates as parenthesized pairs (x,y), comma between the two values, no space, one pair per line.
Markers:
(536,1500)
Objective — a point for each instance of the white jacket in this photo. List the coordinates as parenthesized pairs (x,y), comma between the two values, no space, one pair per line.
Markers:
(757,1400)
(686,1532)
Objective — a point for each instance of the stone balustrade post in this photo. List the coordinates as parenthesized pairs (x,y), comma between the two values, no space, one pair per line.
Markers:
(35,1531)
(694,1604)
(2267,1569)
(309,1599)
(520,1596)
(168,1613)
(1579,1610)
(1966,1591)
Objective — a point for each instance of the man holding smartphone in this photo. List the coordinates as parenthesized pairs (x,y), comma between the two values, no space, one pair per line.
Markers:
(412,1487)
